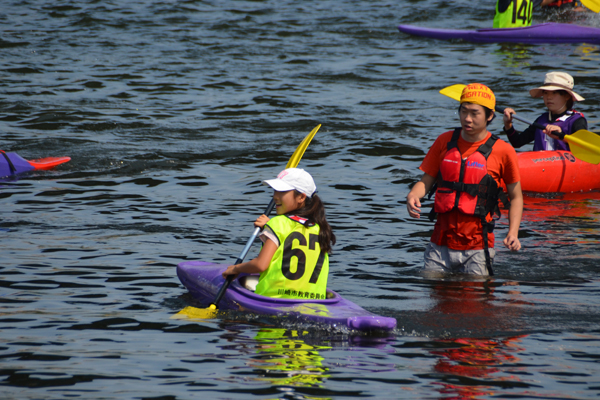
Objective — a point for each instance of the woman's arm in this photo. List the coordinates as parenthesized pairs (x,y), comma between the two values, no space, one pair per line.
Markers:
(259,264)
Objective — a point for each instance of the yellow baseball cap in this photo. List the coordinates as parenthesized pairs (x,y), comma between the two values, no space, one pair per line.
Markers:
(476,93)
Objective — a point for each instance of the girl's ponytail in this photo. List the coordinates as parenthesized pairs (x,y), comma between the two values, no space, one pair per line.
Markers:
(314,211)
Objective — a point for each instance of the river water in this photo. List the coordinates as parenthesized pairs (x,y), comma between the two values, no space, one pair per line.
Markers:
(174,111)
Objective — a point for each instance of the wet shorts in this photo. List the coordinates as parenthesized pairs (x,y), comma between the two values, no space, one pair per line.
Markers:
(443,259)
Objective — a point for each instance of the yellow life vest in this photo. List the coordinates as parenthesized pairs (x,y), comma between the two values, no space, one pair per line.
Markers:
(518,14)
(298,269)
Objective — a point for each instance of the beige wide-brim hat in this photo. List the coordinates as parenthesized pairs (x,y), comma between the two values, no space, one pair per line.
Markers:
(557,81)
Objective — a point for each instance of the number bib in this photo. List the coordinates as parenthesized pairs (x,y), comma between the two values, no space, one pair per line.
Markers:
(518,14)
(298,269)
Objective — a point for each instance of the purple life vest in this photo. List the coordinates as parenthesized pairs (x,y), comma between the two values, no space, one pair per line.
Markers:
(545,142)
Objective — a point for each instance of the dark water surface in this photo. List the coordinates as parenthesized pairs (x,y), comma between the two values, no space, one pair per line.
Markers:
(173,111)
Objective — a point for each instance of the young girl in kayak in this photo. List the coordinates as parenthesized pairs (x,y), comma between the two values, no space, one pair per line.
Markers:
(294,261)
(557,92)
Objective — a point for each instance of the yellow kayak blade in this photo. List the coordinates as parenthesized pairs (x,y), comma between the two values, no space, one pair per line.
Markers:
(297,156)
(197,313)
(585,145)
(593,5)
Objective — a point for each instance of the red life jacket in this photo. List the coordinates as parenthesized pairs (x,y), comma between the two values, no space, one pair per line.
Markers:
(465,184)
(559,3)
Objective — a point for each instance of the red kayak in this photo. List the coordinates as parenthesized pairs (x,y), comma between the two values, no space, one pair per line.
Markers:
(12,163)
(556,172)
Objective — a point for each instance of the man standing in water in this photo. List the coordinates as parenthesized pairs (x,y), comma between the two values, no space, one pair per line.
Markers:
(468,164)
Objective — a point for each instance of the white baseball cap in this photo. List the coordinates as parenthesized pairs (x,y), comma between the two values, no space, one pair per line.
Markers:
(293,179)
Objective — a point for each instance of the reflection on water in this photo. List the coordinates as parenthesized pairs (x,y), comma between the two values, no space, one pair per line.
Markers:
(514,56)
(463,306)
(568,219)
(588,52)
(285,359)
(467,363)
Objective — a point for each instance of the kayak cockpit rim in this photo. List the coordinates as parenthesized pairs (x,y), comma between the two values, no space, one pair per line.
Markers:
(331,296)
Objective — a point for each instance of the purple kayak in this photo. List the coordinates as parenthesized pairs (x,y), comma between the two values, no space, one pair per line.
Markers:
(203,280)
(543,33)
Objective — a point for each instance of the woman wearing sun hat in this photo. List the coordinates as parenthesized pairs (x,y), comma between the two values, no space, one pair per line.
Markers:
(559,97)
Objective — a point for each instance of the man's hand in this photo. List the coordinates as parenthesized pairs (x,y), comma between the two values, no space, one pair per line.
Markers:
(512,242)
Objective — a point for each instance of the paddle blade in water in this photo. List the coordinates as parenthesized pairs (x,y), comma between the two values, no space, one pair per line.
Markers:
(297,156)
(593,5)
(453,91)
(197,313)
(585,145)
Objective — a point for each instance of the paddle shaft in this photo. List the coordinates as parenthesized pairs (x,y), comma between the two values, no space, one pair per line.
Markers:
(242,256)
(13,170)
(561,135)
(583,144)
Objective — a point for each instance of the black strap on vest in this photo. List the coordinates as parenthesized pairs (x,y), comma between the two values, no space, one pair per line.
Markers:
(13,170)
(487,191)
